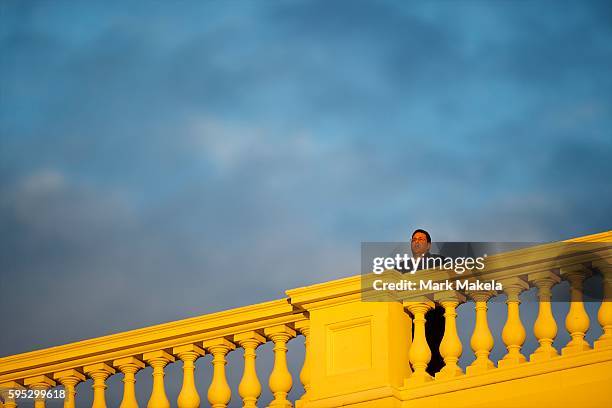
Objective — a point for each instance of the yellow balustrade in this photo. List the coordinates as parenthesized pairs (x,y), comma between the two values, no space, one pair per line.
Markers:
(129,366)
(604,316)
(359,352)
(219,392)
(69,379)
(158,360)
(280,381)
(188,397)
(513,333)
(9,400)
(40,383)
(303,327)
(450,347)
(250,387)
(482,339)
(99,373)
(577,320)
(419,354)
(545,326)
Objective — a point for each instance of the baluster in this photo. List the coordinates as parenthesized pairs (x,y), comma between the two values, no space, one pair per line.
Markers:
(545,326)
(158,360)
(39,383)
(99,373)
(450,347)
(577,320)
(482,339)
(219,392)
(303,327)
(280,381)
(419,354)
(69,379)
(249,388)
(604,316)
(188,397)
(9,401)
(513,333)
(129,366)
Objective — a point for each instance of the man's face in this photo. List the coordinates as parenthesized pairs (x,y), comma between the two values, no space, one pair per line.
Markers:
(419,244)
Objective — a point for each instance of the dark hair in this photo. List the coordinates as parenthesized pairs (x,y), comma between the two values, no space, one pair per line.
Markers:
(424,232)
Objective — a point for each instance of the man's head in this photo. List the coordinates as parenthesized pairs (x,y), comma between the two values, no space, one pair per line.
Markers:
(420,242)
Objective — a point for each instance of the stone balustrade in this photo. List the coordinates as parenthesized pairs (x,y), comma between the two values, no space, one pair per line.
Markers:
(186,340)
(359,351)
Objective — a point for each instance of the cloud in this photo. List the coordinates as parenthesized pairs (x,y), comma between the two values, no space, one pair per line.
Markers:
(43,182)
(150,146)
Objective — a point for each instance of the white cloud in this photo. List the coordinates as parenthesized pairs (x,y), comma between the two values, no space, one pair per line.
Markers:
(230,144)
(42,182)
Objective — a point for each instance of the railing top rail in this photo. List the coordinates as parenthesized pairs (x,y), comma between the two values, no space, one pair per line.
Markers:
(521,262)
(139,341)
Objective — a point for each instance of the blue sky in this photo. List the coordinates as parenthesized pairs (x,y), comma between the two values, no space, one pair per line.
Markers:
(160,160)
